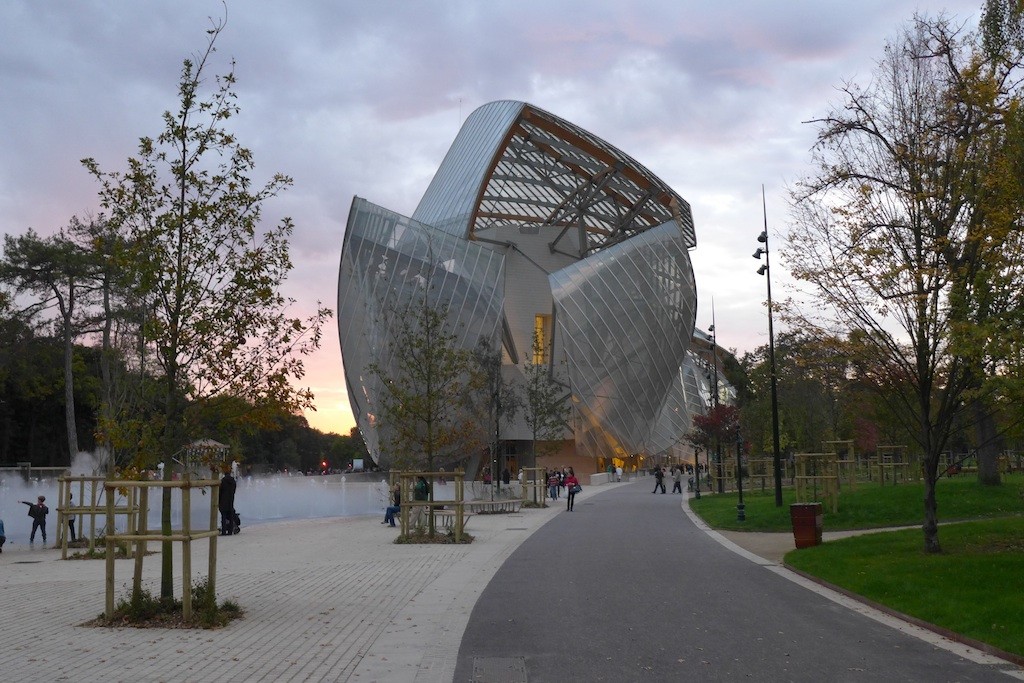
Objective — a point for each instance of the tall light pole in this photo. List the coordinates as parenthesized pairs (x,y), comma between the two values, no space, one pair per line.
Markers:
(714,398)
(696,472)
(765,269)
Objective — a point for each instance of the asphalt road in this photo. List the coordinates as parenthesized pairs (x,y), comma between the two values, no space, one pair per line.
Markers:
(626,588)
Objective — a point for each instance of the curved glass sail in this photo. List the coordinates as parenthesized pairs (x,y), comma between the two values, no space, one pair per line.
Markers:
(595,248)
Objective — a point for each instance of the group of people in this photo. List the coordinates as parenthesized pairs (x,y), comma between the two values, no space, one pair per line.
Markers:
(676,473)
(563,479)
(420,492)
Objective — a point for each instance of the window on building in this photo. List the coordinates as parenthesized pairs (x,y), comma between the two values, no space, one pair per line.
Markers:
(542,333)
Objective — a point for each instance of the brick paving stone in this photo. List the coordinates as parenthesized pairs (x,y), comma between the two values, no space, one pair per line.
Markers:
(324,600)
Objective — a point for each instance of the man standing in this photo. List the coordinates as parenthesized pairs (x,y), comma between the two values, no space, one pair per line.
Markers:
(226,504)
(37,512)
(3,539)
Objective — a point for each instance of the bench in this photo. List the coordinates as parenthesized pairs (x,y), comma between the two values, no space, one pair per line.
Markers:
(446,518)
(486,507)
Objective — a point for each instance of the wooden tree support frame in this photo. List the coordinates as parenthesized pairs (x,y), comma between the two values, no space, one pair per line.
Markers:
(141,536)
(892,460)
(89,487)
(414,512)
(817,472)
(846,460)
(535,487)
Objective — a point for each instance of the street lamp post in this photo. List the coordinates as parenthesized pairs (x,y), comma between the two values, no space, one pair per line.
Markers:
(765,269)
(714,399)
(741,509)
(696,473)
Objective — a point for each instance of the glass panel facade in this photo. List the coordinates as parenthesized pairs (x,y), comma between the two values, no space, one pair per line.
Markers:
(389,261)
(522,193)
(626,314)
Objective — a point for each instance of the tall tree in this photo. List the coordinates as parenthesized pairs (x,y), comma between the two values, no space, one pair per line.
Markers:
(423,413)
(546,400)
(58,272)
(500,400)
(889,229)
(207,272)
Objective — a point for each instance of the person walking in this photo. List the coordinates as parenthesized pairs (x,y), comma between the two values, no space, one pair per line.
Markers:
(659,480)
(3,539)
(37,511)
(572,487)
(677,480)
(553,485)
(71,518)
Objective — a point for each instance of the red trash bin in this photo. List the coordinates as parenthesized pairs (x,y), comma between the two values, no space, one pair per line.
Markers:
(807,524)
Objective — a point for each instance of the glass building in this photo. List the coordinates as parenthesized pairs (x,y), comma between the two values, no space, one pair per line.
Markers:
(534,226)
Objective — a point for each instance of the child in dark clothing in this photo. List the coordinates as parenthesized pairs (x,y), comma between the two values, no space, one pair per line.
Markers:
(37,511)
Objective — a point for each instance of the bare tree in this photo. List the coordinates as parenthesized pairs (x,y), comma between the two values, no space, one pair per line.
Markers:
(894,230)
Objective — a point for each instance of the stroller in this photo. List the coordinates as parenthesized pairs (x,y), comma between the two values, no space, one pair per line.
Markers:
(231,524)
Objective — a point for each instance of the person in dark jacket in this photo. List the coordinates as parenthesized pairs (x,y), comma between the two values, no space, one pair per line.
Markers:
(659,480)
(37,511)
(226,505)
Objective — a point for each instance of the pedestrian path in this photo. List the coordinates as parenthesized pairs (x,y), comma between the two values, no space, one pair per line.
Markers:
(324,600)
(629,587)
(637,587)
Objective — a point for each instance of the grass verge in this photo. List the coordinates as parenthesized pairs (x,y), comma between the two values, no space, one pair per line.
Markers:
(870,505)
(971,588)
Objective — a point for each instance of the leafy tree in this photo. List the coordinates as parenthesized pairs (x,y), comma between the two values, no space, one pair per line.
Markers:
(892,233)
(545,403)
(207,276)
(500,399)
(57,271)
(719,425)
(426,378)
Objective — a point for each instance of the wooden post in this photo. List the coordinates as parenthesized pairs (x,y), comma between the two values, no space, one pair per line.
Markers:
(109,538)
(93,502)
(62,537)
(459,516)
(131,523)
(212,570)
(186,550)
(141,546)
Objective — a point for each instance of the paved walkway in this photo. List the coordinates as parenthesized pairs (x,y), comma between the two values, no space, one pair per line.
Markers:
(325,600)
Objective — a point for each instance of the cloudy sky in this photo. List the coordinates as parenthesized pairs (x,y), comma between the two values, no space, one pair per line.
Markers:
(363,97)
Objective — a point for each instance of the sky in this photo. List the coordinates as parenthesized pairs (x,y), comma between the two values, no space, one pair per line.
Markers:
(363,98)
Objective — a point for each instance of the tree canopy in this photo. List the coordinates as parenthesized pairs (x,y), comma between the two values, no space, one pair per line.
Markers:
(903,231)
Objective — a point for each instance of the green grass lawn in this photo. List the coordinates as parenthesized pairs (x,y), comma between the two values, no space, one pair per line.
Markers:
(973,587)
(870,505)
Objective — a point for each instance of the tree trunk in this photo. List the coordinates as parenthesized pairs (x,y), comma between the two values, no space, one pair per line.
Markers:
(931,512)
(989,444)
(69,378)
(107,403)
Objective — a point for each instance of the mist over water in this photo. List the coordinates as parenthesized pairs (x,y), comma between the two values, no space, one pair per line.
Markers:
(257,500)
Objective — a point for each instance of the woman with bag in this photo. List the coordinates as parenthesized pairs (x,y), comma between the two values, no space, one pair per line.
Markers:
(572,485)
